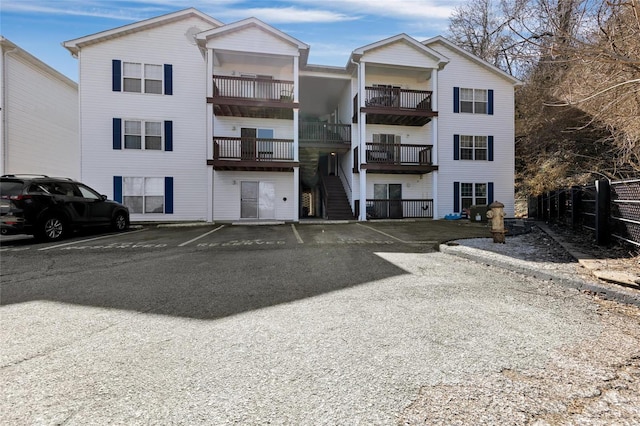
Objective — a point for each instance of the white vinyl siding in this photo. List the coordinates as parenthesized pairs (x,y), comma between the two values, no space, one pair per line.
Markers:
(40,118)
(463,73)
(227,193)
(185,109)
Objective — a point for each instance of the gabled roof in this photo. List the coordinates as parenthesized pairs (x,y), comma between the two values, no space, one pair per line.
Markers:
(8,47)
(359,52)
(75,45)
(255,23)
(473,58)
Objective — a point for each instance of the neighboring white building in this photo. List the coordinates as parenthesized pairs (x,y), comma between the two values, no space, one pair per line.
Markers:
(185,118)
(39,126)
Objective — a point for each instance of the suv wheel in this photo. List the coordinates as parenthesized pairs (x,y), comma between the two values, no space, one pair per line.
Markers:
(53,228)
(120,222)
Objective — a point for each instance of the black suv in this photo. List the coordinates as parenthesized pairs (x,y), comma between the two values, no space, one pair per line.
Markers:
(50,208)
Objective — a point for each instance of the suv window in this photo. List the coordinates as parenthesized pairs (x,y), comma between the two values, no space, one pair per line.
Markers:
(61,188)
(88,193)
(10,188)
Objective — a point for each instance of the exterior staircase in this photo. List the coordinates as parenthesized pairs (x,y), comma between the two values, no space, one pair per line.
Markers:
(337,203)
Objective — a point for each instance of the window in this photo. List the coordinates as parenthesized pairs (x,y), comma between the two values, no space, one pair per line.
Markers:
(473,101)
(143,195)
(153,79)
(140,134)
(148,131)
(141,78)
(473,194)
(132,77)
(473,147)
(134,74)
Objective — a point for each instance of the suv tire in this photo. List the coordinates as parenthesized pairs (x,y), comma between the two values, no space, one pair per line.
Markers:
(120,222)
(52,228)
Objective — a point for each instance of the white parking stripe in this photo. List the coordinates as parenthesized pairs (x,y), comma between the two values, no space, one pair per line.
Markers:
(201,236)
(396,238)
(90,239)
(298,237)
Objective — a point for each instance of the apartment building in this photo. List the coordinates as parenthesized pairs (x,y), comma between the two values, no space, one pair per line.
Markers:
(186,118)
(39,116)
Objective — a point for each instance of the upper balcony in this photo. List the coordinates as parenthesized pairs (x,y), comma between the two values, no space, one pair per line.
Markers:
(325,136)
(257,97)
(395,106)
(396,159)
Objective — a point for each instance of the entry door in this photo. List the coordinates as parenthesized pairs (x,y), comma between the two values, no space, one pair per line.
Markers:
(392,194)
(249,200)
(257,200)
(248,144)
(395,200)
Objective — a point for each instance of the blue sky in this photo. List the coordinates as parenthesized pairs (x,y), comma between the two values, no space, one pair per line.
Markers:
(333,28)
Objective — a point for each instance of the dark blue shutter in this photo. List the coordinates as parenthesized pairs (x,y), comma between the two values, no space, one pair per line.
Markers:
(490,106)
(490,148)
(456,197)
(456,147)
(456,99)
(168,195)
(490,192)
(117,133)
(116,75)
(117,188)
(168,135)
(168,79)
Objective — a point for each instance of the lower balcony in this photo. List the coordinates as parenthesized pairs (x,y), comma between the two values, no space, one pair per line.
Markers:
(397,158)
(252,154)
(398,209)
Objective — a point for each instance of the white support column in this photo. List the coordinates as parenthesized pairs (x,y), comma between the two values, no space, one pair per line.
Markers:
(296,78)
(296,194)
(434,139)
(209,141)
(296,139)
(362,134)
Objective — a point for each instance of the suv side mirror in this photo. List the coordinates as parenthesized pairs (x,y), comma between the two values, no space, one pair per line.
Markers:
(103,197)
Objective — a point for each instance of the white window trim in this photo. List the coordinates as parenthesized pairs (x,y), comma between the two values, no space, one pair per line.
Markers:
(143,136)
(144,195)
(142,78)
(473,101)
(474,196)
(474,148)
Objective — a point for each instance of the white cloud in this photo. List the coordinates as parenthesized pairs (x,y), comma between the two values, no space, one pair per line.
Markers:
(287,15)
(411,10)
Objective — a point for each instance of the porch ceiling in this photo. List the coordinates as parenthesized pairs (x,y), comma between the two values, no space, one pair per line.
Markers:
(320,95)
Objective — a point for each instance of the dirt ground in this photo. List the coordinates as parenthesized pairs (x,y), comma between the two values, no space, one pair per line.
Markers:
(596,382)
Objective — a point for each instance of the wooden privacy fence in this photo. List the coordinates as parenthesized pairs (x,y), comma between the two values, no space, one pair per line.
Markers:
(608,209)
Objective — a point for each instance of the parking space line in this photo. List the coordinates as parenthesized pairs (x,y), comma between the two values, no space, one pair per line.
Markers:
(398,239)
(383,233)
(298,237)
(90,239)
(201,236)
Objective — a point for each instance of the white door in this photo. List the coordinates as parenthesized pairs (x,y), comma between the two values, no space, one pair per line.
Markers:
(267,201)
(257,200)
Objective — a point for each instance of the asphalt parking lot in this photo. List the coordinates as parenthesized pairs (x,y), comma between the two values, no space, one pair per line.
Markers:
(227,236)
(286,324)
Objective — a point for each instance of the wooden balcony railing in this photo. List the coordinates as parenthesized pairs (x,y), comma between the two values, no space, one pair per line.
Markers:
(253,88)
(324,133)
(381,153)
(398,209)
(396,98)
(252,149)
